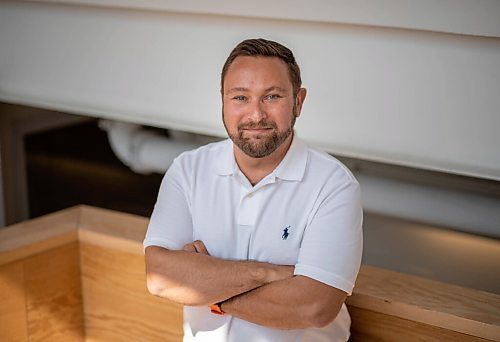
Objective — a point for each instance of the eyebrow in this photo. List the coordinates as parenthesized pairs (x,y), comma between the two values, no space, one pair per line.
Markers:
(275,88)
(236,89)
(243,89)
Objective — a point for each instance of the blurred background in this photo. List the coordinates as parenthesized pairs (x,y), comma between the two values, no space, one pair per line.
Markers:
(98,97)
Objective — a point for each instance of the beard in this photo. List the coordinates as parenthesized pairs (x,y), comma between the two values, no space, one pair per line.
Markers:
(262,144)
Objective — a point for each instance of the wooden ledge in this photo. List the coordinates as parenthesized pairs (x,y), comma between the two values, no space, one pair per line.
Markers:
(112,229)
(38,235)
(97,226)
(467,311)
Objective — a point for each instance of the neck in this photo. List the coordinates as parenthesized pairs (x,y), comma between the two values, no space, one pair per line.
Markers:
(255,169)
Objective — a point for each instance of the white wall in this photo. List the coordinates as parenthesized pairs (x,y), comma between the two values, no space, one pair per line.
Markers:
(407,95)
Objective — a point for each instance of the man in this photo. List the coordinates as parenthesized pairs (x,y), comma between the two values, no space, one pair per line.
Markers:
(260,227)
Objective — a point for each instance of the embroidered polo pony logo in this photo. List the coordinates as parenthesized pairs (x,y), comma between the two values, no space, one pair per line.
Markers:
(286,233)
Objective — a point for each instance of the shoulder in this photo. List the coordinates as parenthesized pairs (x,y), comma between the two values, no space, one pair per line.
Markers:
(206,154)
(324,167)
(194,164)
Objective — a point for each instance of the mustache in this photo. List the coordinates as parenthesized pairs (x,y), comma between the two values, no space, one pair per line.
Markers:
(262,124)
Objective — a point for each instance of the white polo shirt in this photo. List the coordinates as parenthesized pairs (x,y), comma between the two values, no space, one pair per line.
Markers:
(307,213)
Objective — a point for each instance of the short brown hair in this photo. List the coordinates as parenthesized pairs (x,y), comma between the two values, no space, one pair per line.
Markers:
(265,48)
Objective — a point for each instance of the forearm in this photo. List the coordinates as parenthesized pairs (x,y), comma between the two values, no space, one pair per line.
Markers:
(200,279)
(294,303)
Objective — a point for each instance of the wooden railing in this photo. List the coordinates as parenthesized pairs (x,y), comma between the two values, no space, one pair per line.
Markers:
(78,274)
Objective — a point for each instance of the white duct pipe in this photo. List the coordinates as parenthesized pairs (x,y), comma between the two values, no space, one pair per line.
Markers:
(145,152)
(142,150)
(466,211)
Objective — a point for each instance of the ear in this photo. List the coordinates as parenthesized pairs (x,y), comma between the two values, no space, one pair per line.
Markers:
(299,100)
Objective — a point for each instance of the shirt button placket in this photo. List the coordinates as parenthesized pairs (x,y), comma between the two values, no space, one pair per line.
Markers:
(249,208)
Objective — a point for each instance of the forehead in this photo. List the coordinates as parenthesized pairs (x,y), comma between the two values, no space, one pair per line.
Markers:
(249,71)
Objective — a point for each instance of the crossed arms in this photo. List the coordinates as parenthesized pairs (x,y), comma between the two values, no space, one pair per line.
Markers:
(258,292)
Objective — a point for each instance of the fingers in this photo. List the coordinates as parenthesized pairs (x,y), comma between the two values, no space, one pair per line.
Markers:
(200,247)
(196,246)
(281,272)
(189,247)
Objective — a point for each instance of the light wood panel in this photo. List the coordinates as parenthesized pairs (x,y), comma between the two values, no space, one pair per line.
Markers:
(374,326)
(34,236)
(117,305)
(97,254)
(112,229)
(53,293)
(13,322)
(459,309)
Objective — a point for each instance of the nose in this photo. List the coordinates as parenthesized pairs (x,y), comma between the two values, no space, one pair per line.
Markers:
(256,111)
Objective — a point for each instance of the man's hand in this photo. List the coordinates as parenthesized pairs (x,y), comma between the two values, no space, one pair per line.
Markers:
(196,246)
(280,272)
(259,292)
(284,303)
(193,277)
(296,303)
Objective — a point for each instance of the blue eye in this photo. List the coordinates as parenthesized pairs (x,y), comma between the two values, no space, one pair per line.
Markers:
(239,98)
(273,97)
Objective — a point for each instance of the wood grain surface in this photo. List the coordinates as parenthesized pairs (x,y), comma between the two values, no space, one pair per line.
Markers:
(463,310)
(82,270)
(374,326)
(111,229)
(13,318)
(35,236)
(117,305)
(53,295)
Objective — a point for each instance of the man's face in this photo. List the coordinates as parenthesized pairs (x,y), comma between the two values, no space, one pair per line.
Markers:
(258,107)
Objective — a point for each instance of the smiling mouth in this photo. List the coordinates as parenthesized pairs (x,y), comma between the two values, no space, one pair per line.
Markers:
(257,129)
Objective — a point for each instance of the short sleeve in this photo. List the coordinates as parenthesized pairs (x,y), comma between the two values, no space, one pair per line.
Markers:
(331,248)
(171,225)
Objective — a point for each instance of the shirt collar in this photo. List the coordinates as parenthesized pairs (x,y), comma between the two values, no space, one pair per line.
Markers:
(291,168)
(226,164)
